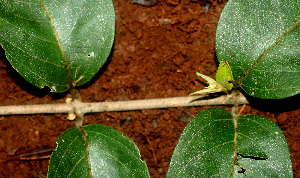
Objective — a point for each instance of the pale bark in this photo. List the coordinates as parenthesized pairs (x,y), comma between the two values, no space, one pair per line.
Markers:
(235,98)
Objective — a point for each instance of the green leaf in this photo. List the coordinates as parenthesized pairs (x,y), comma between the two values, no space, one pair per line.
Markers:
(212,145)
(41,38)
(223,81)
(224,75)
(96,151)
(260,41)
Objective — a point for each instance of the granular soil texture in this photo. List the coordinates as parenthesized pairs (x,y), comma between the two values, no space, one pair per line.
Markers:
(156,53)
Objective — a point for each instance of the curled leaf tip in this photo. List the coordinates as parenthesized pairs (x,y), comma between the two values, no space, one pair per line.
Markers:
(213,86)
(223,81)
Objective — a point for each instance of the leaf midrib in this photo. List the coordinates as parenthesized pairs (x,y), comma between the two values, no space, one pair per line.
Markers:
(69,78)
(240,80)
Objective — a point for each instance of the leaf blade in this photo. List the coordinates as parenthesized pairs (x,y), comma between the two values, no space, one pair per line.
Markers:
(266,149)
(109,154)
(207,149)
(41,39)
(259,39)
(195,149)
(224,75)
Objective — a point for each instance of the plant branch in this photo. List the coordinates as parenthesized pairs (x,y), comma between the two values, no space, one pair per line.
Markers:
(74,107)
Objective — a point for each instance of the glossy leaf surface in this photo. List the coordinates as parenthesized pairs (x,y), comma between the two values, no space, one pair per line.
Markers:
(96,151)
(261,42)
(224,75)
(212,145)
(42,39)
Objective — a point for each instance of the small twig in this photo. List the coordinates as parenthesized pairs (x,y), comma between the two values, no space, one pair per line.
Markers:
(83,108)
(152,149)
(29,156)
(240,112)
(35,158)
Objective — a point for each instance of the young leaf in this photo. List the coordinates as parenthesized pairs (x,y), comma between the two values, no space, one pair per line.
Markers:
(224,75)
(223,81)
(44,39)
(212,145)
(260,40)
(96,151)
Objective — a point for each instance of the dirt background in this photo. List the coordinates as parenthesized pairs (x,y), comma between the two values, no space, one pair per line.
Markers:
(156,53)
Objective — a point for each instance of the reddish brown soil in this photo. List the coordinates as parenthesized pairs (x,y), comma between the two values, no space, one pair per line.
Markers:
(151,58)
